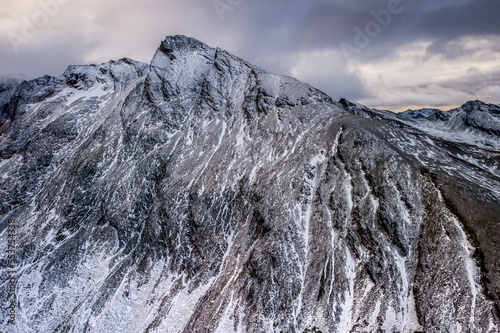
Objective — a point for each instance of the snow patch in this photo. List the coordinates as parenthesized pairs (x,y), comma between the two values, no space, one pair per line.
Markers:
(345,318)
(471,268)
(183,306)
(4,162)
(240,138)
(227,322)
(72,95)
(411,321)
(5,167)
(253,173)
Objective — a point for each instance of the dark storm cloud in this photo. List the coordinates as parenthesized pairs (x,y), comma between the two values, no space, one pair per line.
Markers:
(474,18)
(306,39)
(330,23)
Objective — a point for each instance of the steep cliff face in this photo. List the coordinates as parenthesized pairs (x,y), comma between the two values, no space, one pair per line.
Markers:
(201,194)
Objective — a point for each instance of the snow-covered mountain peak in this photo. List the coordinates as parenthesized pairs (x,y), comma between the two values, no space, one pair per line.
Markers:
(479,106)
(111,73)
(419,114)
(179,68)
(186,73)
(200,193)
(182,43)
(475,123)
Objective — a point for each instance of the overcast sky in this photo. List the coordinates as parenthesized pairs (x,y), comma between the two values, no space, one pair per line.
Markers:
(383,53)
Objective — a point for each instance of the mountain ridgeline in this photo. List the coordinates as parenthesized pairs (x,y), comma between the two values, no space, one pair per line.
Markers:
(200,193)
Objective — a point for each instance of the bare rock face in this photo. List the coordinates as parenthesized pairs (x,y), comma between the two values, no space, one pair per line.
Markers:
(202,194)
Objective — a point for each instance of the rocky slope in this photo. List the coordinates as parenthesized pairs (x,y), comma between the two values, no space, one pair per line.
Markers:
(201,194)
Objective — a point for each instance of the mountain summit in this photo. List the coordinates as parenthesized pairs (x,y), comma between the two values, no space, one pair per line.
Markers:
(200,193)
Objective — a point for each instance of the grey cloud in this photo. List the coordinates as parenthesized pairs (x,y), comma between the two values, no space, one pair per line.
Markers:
(339,85)
(479,17)
(475,81)
(52,59)
(418,20)
(450,49)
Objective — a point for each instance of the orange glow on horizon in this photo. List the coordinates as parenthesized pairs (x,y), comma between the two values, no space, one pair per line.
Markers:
(417,107)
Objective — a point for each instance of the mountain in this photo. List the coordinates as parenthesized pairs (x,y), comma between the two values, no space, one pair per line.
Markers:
(475,122)
(200,193)
(421,113)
